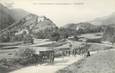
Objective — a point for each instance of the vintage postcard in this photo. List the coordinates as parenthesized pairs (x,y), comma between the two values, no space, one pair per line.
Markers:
(57,36)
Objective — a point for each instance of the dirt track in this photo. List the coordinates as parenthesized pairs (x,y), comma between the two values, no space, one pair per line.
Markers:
(50,68)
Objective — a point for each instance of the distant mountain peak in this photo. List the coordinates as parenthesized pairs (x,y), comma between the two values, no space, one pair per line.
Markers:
(106,20)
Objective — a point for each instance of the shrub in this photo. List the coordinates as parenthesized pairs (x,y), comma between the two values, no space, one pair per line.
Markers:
(4,38)
(55,36)
(23,57)
(26,56)
(27,52)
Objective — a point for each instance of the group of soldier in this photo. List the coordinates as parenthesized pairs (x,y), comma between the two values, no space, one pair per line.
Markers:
(49,55)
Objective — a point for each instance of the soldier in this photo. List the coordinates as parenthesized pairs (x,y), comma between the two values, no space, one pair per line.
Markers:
(71,49)
(51,55)
(32,40)
(74,52)
(88,54)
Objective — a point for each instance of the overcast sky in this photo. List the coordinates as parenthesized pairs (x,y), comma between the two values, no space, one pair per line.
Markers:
(62,12)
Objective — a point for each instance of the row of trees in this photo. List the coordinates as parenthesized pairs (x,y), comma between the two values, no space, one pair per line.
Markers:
(55,34)
(109,33)
(63,33)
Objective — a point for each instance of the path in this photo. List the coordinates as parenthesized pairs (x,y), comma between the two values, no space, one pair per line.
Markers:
(50,68)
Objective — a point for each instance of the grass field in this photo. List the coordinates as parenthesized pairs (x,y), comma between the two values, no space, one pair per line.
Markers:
(101,62)
(91,35)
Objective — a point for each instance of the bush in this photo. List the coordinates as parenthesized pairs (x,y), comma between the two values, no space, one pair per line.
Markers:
(55,36)
(4,38)
(27,52)
(22,57)
(26,56)
(3,61)
(8,62)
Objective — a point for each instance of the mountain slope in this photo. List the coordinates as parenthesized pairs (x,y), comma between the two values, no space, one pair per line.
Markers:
(83,27)
(106,20)
(76,26)
(36,23)
(5,17)
(30,23)
(44,23)
(18,14)
(22,20)
(9,16)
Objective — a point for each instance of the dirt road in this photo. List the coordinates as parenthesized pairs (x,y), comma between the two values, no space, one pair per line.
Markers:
(50,68)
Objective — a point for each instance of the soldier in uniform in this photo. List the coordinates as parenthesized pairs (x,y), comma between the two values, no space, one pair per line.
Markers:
(51,55)
(88,53)
(87,49)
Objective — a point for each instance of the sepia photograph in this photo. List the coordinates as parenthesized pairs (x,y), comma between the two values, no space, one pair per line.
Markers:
(57,36)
